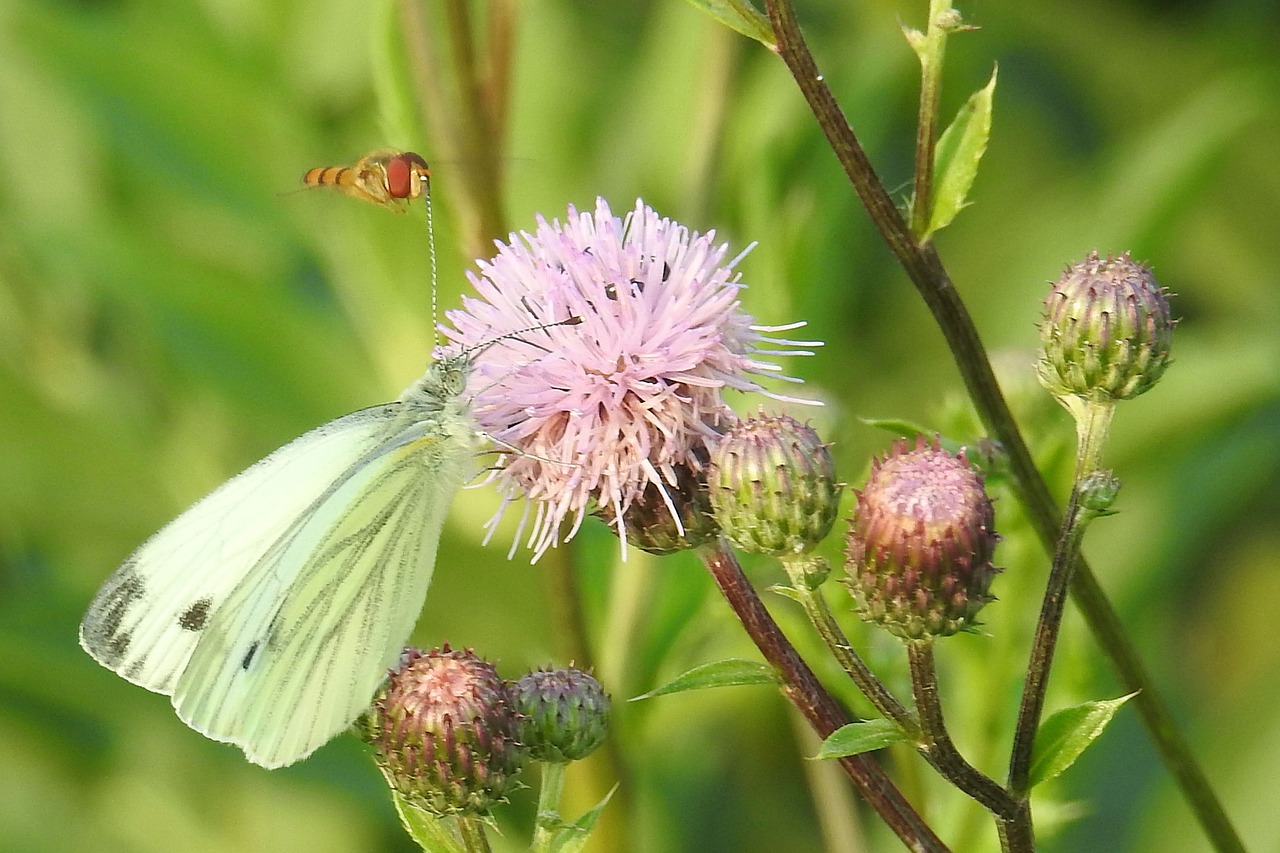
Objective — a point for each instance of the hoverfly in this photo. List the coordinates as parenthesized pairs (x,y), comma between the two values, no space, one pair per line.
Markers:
(386,177)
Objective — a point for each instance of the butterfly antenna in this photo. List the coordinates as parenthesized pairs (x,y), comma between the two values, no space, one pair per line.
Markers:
(481,347)
(431,251)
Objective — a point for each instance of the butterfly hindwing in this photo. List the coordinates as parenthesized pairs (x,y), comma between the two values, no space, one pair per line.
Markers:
(305,639)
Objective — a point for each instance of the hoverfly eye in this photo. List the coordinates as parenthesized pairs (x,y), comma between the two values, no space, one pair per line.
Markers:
(398,173)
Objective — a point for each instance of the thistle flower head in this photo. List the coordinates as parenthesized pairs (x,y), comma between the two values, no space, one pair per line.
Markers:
(1106,332)
(920,543)
(773,486)
(564,714)
(445,734)
(601,410)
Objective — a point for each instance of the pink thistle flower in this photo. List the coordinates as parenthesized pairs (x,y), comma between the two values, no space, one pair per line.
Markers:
(599,410)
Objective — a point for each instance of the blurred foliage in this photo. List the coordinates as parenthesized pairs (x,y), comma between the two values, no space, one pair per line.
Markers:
(171,310)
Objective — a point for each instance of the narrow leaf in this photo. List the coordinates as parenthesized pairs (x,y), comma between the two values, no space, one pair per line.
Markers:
(1067,733)
(857,738)
(987,455)
(574,836)
(740,16)
(432,833)
(722,673)
(899,427)
(787,591)
(957,156)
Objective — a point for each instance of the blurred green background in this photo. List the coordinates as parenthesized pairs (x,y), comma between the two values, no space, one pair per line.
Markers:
(171,310)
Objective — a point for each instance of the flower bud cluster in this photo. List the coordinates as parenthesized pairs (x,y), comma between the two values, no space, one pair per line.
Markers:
(451,735)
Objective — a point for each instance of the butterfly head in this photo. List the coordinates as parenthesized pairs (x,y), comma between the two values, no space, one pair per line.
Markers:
(447,377)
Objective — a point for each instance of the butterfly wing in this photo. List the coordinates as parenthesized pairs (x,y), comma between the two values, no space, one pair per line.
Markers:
(258,560)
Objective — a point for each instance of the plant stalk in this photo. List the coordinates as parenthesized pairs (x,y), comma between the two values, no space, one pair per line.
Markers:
(804,691)
(473,835)
(1093,421)
(926,272)
(931,53)
(548,819)
(938,745)
(819,613)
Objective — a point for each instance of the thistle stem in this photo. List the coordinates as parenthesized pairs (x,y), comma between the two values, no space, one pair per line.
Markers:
(804,691)
(1093,421)
(819,613)
(1016,835)
(473,835)
(926,272)
(548,820)
(931,53)
(937,743)
(1042,649)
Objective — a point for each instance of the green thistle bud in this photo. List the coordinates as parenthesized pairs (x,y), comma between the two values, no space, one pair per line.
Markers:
(1106,331)
(1098,491)
(444,733)
(564,714)
(649,524)
(773,486)
(920,543)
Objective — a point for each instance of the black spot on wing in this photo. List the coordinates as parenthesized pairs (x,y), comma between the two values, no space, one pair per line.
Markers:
(196,616)
(249,656)
(102,630)
(134,671)
(116,646)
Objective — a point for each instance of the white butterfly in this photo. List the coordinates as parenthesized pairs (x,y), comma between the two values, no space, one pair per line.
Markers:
(272,609)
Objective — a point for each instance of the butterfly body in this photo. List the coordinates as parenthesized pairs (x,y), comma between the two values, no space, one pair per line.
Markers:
(271,610)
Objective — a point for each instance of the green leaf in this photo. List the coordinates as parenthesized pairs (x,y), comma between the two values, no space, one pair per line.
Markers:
(957,156)
(740,16)
(788,592)
(723,673)
(432,833)
(1067,733)
(857,738)
(988,457)
(575,835)
(899,427)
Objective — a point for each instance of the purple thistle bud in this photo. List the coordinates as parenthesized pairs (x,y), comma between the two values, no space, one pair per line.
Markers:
(920,543)
(1106,331)
(773,486)
(564,714)
(444,732)
(604,409)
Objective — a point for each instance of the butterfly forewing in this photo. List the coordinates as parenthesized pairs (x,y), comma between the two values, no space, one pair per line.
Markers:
(148,617)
